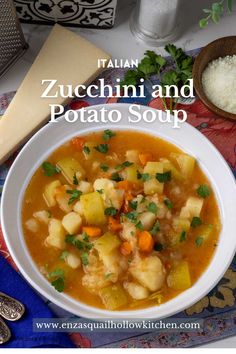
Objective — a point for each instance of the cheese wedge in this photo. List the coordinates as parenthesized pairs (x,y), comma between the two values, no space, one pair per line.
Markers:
(66,57)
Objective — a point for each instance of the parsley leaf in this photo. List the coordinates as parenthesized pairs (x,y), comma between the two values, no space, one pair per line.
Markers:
(182,236)
(143,176)
(75,180)
(196,221)
(104,167)
(199,241)
(64,255)
(83,244)
(132,216)
(111,211)
(86,150)
(163,177)
(168,203)
(123,165)
(203,191)
(59,284)
(139,225)
(155,228)
(116,177)
(75,194)
(152,207)
(102,148)
(133,204)
(84,258)
(49,169)
(57,273)
(100,191)
(108,134)
(158,247)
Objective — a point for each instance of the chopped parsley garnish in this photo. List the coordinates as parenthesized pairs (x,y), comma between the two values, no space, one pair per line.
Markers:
(139,225)
(86,149)
(111,211)
(49,169)
(143,176)
(203,191)
(168,203)
(102,148)
(108,134)
(116,177)
(158,247)
(100,191)
(163,177)
(156,227)
(104,167)
(199,241)
(196,221)
(83,244)
(59,282)
(108,275)
(133,204)
(152,207)
(75,194)
(75,180)
(64,255)
(132,216)
(182,236)
(84,258)
(123,165)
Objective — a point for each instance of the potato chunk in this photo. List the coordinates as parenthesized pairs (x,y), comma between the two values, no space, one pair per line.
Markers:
(179,277)
(32,225)
(42,216)
(193,207)
(72,222)
(56,236)
(93,208)
(186,163)
(49,193)
(69,168)
(73,261)
(149,272)
(107,243)
(136,291)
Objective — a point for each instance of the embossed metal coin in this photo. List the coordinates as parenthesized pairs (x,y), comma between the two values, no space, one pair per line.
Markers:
(10,309)
(5,333)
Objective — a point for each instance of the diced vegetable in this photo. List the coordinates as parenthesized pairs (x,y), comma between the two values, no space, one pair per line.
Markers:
(145,241)
(103,184)
(63,198)
(32,225)
(131,174)
(186,163)
(147,220)
(114,224)
(192,208)
(93,208)
(92,231)
(136,291)
(132,156)
(107,243)
(72,222)
(56,236)
(181,224)
(126,248)
(152,168)
(149,272)
(169,166)
(70,167)
(85,187)
(179,277)
(78,208)
(125,185)
(49,193)
(89,151)
(42,216)
(153,186)
(113,297)
(73,260)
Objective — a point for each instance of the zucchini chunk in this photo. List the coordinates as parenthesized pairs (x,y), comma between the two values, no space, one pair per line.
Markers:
(113,297)
(93,208)
(49,193)
(179,277)
(69,168)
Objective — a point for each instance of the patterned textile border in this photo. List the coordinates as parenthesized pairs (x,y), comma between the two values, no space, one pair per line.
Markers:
(218,308)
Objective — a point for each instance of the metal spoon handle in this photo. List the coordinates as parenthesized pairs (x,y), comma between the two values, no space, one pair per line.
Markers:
(5,333)
(10,308)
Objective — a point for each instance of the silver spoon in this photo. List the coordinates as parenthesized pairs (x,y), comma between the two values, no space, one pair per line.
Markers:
(5,333)
(10,308)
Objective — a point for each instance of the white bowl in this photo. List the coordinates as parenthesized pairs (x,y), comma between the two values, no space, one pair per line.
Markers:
(43,143)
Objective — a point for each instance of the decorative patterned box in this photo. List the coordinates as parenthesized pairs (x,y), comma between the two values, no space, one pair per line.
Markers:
(80,13)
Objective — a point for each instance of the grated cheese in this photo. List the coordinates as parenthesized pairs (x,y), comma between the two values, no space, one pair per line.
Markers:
(219,83)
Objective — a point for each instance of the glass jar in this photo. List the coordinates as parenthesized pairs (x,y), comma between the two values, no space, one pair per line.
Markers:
(155,21)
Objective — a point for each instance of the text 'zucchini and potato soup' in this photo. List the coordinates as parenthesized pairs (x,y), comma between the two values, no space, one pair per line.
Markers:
(120,220)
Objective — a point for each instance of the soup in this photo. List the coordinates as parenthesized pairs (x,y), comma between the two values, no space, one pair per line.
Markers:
(120,220)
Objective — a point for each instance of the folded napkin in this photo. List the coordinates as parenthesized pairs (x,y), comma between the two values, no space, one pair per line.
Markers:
(22,331)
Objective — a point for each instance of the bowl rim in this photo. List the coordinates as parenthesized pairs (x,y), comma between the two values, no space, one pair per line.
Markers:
(11,203)
(197,82)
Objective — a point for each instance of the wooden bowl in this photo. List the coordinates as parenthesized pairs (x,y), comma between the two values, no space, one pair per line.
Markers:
(219,48)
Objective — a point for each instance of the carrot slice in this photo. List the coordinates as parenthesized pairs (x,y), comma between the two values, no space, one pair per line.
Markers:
(125,185)
(92,231)
(126,248)
(145,241)
(145,157)
(114,224)
(78,143)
